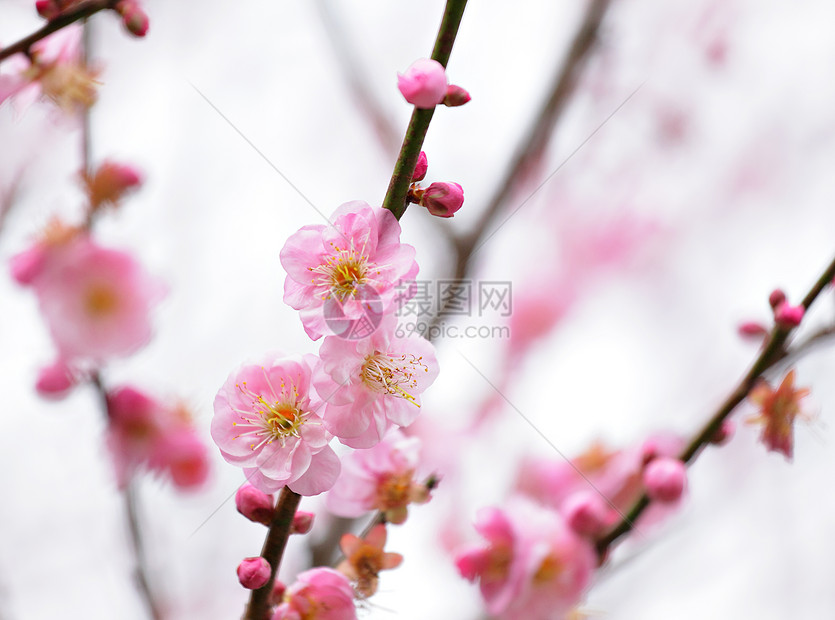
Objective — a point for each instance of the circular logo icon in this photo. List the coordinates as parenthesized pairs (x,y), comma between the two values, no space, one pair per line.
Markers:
(364,313)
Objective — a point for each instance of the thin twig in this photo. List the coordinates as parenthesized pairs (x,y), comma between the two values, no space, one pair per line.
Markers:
(533,144)
(773,351)
(273,550)
(404,167)
(82,10)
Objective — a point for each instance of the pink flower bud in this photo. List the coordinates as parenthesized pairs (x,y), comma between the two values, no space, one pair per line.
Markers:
(664,479)
(423,84)
(787,316)
(26,266)
(443,199)
(55,380)
(421,167)
(134,18)
(255,505)
(302,522)
(586,513)
(47,9)
(456,96)
(724,434)
(776,298)
(752,329)
(254,573)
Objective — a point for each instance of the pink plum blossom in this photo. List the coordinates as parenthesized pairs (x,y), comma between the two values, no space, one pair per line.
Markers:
(318,594)
(424,83)
(532,565)
(365,558)
(266,422)
(373,383)
(380,478)
(664,479)
(349,269)
(778,410)
(146,432)
(96,301)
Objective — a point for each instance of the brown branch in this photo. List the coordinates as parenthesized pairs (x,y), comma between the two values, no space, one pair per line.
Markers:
(80,11)
(273,550)
(773,351)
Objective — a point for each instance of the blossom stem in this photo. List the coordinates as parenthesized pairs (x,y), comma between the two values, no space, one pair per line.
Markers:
(132,513)
(773,351)
(82,10)
(534,143)
(404,167)
(273,550)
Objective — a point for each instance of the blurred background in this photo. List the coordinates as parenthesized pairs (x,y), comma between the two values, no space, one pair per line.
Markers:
(689,175)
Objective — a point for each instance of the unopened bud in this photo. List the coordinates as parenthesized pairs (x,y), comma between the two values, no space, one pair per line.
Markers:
(664,479)
(48,9)
(421,167)
(456,96)
(776,298)
(56,380)
(586,513)
(254,504)
(302,522)
(134,17)
(254,573)
(724,433)
(787,316)
(752,329)
(423,84)
(443,199)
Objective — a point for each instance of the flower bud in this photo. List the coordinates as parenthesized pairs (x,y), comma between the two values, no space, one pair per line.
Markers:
(424,83)
(421,167)
(56,380)
(664,479)
(254,573)
(302,522)
(48,9)
(134,18)
(26,265)
(724,434)
(456,96)
(255,505)
(787,316)
(443,199)
(752,329)
(586,513)
(776,298)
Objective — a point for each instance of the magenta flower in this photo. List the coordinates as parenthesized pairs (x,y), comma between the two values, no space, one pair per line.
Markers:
(380,478)
(532,566)
(424,83)
(318,594)
(96,301)
(373,383)
(343,277)
(265,422)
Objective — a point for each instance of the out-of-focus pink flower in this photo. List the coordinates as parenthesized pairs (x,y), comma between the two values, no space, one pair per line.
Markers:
(265,422)
(380,478)
(318,594)
(421,167)
(456,96)
(109,183)
(350,268)
(587,513)
(254,504)
(373,383)
(55,72)
(778,410)
(365,558)
(56,379)
(254,573)
(443,199)
(532,566)
(146,432)
(424,83)
(96,301)
(752,329)
(664,479)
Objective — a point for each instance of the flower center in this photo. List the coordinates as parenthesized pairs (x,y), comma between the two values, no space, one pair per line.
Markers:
(342,273)
(390,374)
(100,300)
(270,419)
(550,568)
(394,490)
